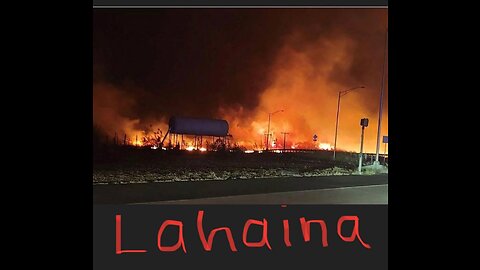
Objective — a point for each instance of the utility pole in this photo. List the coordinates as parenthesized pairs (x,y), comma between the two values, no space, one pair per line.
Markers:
(284,139)
(266,140)
(377,163)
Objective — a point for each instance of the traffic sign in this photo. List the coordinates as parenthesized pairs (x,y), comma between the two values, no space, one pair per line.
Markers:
(364,122)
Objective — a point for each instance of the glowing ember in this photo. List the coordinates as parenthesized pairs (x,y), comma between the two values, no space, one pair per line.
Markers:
(249,151)
(203,149)
(190,148)
(154,147)
(325,146)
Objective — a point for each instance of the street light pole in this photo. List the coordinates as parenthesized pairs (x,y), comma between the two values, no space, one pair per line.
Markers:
(268,130)
(336,126)
(340,94)
(284,140)
(376,163)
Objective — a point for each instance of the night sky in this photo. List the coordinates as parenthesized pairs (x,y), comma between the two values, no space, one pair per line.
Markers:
(154,63)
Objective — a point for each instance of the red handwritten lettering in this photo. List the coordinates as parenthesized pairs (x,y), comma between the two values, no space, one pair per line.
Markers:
(306,230)
(118,238)
(264,240)
(180,241)
(207,245)
(286,233)
(355,233)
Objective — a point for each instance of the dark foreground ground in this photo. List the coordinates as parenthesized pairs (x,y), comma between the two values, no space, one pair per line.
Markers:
(136,175)
(174,191)
(126,165)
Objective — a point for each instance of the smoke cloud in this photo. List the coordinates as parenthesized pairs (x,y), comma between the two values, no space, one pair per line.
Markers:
(239,65)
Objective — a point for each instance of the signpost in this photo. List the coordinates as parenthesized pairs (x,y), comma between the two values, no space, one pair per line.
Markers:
(385,141)
(364,124)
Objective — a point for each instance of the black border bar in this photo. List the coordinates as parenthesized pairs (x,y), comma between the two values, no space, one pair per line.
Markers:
(238,3)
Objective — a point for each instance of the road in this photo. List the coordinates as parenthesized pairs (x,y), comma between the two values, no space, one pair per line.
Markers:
(371,194)
(351,189)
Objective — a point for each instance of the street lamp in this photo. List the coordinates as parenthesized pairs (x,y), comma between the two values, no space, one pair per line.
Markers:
(268,131)
(341,94)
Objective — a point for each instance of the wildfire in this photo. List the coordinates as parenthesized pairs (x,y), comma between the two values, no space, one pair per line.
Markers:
(191,148)
(137,143)
(190,145)
(301,80)
(325,146)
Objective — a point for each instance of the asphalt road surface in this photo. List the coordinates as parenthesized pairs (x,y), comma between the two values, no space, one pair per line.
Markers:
(351,189)
(371,194)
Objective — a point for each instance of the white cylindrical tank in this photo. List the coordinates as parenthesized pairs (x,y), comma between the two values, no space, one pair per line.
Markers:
(198,126)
